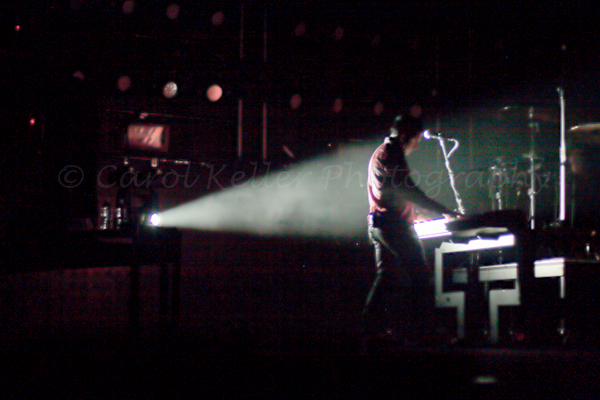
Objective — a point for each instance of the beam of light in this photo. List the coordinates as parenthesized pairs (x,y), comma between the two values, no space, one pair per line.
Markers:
(323,198)
(327,198)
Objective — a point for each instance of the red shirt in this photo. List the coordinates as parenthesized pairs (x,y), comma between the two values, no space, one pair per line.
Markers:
(391,191)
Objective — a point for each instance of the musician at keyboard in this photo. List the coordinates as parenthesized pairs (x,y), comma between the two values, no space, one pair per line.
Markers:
(401,268)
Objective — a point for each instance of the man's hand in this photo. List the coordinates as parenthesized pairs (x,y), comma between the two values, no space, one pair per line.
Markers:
(452,215)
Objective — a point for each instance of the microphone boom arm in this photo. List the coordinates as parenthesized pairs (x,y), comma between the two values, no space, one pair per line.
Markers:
(447,156)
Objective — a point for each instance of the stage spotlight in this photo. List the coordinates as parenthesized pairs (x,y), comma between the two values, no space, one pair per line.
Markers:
(128,7)
(217,18)
(76,5)
(214,93)
(375,41)
(124,83)
(296,101)
(378,108)
(416,111)
(79,75)
(170,90)
(300,29)
(338,105)
(155,219)
(173,11)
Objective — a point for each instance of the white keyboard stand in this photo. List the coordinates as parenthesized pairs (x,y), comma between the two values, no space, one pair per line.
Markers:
(503,272)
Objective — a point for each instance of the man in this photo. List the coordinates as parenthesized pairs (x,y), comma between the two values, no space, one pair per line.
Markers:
(402,289)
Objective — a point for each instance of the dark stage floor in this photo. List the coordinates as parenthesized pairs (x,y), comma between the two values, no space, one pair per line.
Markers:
(190,367)
(258,320)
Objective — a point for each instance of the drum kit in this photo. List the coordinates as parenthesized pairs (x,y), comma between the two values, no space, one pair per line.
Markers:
(527,181)
(512,182)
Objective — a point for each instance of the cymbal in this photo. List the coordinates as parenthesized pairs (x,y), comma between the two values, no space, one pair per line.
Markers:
(590,127)
(586,133)
(531,155)
(536,159)
(530,112)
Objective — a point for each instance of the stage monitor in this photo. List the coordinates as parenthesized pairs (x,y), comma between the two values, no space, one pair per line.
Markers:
(147,137)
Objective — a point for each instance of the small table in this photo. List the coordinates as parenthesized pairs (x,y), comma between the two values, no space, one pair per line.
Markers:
(135,247)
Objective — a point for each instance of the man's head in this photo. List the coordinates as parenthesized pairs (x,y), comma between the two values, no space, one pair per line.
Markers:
(406,131)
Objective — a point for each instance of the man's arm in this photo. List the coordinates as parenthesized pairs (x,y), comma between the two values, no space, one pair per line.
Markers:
(411,192)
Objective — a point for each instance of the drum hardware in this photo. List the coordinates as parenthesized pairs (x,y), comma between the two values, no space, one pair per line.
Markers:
(534,128)
(509,182)
(534,115)
(538,113)
(532,157)
(578,174)
(497,176)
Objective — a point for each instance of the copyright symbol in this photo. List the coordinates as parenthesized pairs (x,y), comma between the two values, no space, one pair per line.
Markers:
(70,176)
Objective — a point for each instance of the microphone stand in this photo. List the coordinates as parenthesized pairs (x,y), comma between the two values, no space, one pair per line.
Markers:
(562,159)
(447,156)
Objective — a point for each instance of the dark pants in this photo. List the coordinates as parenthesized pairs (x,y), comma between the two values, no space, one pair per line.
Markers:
(401,296)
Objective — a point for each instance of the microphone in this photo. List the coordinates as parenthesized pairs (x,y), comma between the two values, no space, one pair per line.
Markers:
(427,135)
